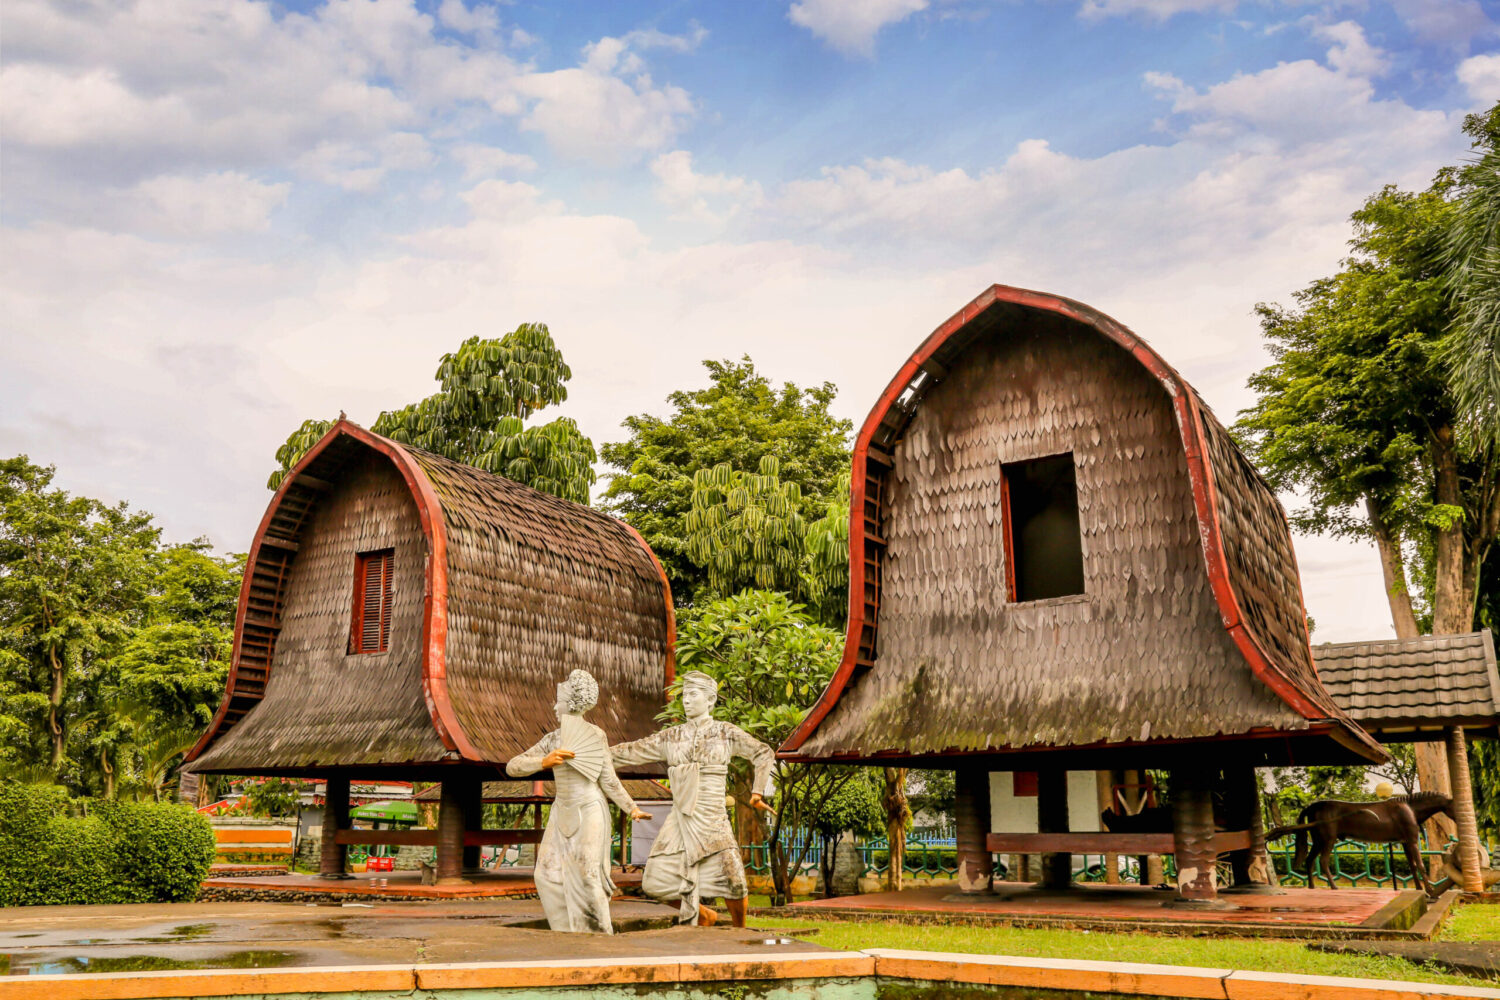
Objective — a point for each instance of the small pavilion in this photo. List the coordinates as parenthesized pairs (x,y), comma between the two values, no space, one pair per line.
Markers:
(1059,560)
(1429,688)
(404,616)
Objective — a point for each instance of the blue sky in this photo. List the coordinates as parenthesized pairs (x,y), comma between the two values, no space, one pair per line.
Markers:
(220,217)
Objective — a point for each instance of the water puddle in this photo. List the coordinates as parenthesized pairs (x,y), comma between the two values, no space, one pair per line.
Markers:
(20,965)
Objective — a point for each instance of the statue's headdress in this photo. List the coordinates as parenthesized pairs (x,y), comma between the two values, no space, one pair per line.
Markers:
(581,692)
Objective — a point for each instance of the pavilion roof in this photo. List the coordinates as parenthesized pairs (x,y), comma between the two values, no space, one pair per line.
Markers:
(1394,685)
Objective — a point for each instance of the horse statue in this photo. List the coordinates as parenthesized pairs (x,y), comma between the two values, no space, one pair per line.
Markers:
(1385,822)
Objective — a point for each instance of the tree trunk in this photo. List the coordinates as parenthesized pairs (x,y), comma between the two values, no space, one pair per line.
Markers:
(1393,571)
(897,815)
(1452,601)
(109,775)
(1432,775)
(54,720)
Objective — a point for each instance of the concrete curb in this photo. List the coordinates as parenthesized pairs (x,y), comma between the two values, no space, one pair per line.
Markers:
(1121,978)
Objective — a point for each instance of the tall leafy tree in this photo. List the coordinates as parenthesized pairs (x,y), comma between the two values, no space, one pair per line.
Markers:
(1472,349)
(487,390)
(73,573)
(1358,410)
(739,419)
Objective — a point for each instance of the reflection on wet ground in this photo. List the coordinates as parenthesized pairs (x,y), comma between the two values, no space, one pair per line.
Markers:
(18,965)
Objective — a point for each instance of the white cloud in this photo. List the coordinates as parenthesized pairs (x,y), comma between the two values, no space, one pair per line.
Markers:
(457,16)
(483,161)
(608,109)
(851,25)
(1351,52)
(713,198)
(87,96)
(1453,22)
(225,202)
(1155,10)
(1480,76)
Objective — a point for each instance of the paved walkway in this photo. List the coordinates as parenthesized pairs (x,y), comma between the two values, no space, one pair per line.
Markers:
(164,936)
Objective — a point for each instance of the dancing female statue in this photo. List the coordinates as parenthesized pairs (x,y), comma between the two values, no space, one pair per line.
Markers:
(695,856)
(572,862)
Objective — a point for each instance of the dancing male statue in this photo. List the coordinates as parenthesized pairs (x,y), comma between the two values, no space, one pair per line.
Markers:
(572,862)
(695,856)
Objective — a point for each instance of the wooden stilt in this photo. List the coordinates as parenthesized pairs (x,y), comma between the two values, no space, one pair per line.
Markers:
(972,817)
(1251,867)
(335,818)
(1463,809)
(472,790)
(1193,840)
(450,847)
(1052,817)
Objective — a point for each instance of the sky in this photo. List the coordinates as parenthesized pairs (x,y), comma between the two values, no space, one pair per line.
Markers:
(221,217)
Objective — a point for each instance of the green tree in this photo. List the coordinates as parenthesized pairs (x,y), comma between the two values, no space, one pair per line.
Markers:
(1358,411)
(488,388)
(739,419)
(856,809)
(771,661)
(170,673)
(1472,348)
(73,574)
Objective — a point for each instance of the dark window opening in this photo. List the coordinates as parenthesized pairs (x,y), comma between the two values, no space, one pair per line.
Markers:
(1023,784)
(1044,549)
(373,587)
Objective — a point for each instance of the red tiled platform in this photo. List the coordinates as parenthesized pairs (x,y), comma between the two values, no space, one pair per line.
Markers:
(1126,905)
(506,882)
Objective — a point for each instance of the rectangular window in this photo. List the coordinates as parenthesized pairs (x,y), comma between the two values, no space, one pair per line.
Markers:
(371,624)
(1023,784)
(1043,544)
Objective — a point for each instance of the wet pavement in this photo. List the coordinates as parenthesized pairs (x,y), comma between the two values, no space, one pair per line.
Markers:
(161,936)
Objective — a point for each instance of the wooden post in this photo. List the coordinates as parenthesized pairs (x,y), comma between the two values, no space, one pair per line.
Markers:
(1251,867)
(1463,810)
(1193,839)
(450,847)
(335,818)
(1052,817)
(472,791)
(971,809)
(1104,783)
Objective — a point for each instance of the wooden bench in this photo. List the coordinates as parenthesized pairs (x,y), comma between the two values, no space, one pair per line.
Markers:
(429,838)
(260,841)
(1105,843)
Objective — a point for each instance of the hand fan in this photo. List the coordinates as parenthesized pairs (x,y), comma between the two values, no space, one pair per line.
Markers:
(587,743)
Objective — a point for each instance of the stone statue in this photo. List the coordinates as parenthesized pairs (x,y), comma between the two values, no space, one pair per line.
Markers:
(695,856)
(572,863)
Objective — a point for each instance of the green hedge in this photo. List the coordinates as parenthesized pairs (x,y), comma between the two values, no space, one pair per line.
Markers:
(59,851)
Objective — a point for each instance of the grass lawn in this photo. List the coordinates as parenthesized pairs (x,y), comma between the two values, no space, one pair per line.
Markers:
(1475,922)
(1469,924)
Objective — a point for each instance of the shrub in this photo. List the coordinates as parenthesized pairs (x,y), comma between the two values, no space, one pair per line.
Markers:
(123,853)
(162,850)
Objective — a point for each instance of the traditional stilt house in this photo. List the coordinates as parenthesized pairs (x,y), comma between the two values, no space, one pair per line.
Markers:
(1059,560)
(406,616)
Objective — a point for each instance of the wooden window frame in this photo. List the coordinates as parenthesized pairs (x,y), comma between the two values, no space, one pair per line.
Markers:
(384,561)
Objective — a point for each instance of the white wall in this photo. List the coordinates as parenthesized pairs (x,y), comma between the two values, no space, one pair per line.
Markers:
(1009,814)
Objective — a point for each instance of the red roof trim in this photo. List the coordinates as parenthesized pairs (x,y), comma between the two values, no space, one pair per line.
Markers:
(435,591)
(1186,406)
